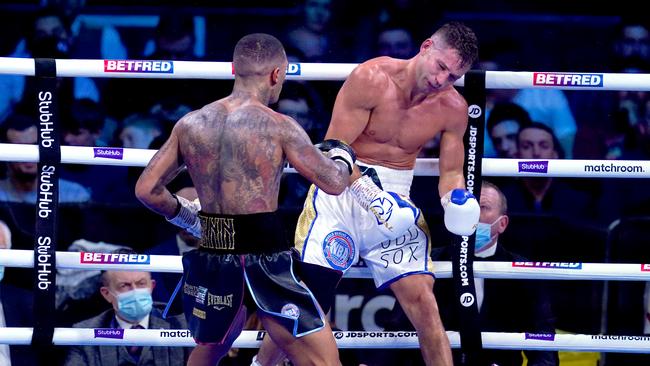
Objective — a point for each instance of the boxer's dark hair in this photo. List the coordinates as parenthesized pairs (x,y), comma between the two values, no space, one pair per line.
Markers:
(257,54)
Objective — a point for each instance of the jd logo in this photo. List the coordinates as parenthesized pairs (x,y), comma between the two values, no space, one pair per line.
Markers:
(474,111)
(466,299)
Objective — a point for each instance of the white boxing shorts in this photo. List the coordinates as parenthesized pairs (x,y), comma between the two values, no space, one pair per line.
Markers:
(335,231)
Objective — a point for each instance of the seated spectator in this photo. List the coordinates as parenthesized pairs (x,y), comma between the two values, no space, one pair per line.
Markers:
(49,37)
(313,36)
(395,41)
(548,106)
(545,195)
(129,293)
(91,41)
(77,290)
(16,310)
(140,130)
(174,39)
(632,43)
(82,127)
(531,312)
(22,178)
(503,126)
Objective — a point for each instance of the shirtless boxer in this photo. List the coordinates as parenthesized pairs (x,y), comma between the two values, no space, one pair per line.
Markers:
(387,109)
(234,150)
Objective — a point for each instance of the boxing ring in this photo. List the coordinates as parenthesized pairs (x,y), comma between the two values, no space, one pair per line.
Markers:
(424,167)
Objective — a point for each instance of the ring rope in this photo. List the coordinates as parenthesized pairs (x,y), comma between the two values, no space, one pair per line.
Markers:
(317,71)
(344,339)
(500,270)
(424,167)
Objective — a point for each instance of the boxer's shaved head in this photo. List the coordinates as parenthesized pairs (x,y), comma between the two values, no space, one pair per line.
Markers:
(258,54)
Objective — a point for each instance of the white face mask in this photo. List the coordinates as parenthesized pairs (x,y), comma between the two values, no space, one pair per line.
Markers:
(484,234)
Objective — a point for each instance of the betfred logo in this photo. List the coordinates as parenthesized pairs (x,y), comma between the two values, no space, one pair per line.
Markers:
(293,69)
(140,66)
(566,265)
(578,80)
(113,258)
(645,268)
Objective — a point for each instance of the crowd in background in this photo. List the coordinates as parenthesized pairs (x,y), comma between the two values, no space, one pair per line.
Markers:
(572,219)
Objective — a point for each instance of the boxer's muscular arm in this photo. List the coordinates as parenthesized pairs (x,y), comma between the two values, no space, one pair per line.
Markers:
(357,97)
(452,151)
(163,167)
(328,175)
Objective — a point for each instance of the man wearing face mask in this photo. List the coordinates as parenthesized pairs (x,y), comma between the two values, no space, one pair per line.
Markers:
(515,306)
(129,293)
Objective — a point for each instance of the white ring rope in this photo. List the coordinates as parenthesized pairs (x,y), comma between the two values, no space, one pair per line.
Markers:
(318,71)
(361,339)
(344,340)
(423,167)
(500,270)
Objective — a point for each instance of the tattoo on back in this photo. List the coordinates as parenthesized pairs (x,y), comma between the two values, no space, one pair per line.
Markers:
(233,157)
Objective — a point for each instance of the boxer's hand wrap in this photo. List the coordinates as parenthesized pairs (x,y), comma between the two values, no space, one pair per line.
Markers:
(462,211)
(187,216)
(394,215)
(338,150)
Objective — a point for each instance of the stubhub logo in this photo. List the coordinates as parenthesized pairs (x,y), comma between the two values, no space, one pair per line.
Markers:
(113,258)
(554,79)
(154,67)
(293,69)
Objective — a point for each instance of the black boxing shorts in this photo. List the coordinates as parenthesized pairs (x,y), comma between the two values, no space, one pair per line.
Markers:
(238,252)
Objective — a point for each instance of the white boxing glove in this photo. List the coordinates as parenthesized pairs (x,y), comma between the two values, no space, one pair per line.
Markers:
(462,211)
(187,216)
(394,215)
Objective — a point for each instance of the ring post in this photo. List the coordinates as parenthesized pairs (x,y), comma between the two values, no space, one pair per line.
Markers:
(463,246)
(45,238)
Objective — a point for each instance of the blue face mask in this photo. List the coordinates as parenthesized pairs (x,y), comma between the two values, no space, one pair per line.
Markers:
(134,305)
(484,235)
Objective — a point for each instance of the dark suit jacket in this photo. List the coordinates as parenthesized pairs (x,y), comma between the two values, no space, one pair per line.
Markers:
(118,356)
(515,306)
(18,306)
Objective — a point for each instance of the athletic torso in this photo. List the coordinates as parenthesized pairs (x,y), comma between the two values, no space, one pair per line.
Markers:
(233,155)
(398,127)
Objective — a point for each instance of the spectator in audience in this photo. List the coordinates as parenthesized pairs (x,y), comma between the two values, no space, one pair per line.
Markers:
(632,44)
(174,39)
(20,185)
(313,36)
(548,106)
(83,126)
(395,41)
(531,312)
(140,130)
(129,293)
(503,125)
(16,310)
(545,195)
(49,36)
(77,290)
